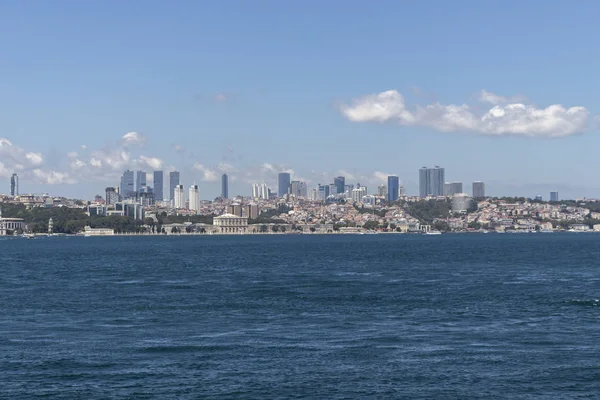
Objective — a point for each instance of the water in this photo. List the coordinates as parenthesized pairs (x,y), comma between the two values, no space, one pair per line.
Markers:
(378,316)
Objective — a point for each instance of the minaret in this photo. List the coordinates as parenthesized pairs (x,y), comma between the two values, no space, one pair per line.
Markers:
(50,226)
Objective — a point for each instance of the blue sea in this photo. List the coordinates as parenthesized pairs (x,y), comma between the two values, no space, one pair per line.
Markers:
(302,316)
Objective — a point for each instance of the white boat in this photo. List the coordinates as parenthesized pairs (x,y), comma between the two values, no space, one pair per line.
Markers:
(433,233)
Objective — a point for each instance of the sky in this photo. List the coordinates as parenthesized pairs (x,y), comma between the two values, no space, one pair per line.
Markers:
(502,92)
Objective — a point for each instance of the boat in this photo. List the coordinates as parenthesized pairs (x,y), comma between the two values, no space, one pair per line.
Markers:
(29,236)
(433,233)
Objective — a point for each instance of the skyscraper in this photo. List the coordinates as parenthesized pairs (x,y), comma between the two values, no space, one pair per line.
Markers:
(393,186)
(14,185)
(478,190)
(553,196)
(283,184)
(126,189)
(255,191)
(178,196)
(111,196)
(340,184)
(140,180)
(452,188)
(224,186)
(264,191)
(431,181)
(173,182)
(323,191)
(158,186)
(194,199)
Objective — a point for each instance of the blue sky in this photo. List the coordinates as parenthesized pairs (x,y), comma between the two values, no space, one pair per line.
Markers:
(253,88)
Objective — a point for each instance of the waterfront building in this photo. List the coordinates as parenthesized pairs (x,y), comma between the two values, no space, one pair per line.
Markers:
(140,180)
(340,184)
(553,196)
(14,185)
(228,223)
(89,231)
(431,181)
(110,196)
(478,190)
(452,188)
(10,225)
(224,186)
(194,199)
(173,183)
(158,186)
(178,196)
(126,189)
(283,184)
(393,185)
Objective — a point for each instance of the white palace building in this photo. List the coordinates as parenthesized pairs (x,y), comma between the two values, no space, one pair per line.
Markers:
(229,223)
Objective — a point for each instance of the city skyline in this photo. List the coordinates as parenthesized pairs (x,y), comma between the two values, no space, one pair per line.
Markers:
(385,112)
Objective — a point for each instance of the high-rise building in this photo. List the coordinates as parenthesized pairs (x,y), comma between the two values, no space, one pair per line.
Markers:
(14,185)
(313,195)
(431,182)
(194,199)
(323,191)
(299,189)
(126,189)
(224,186)
(452,188)
(158,186)
(478,190)
(146,196)
(111,196)
(173,182)
(252,211)
(332,189)
(235,209)
(283,184)
(178,196)
(255,190)
(140,180)
(393,185)
(382,191)
(359,193)
(539,197)
(260,191)
(340,184)
(553,196)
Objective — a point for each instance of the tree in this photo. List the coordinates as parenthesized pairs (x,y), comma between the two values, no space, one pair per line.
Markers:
(370,225)
(275,228)
(283,229)
(312,229)
(263,228)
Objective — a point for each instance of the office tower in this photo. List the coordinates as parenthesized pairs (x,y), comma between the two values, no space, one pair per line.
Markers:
(235,209)
(431,182)
(332,189)
(313,195)
(255,191)
(478,190)
(299,189)
(553,196)
(340,184)
(452,188)
(323,191)
(173,183)
(178,196)
(283,183)
(140,180)
(126,189)
(158,186)
(224,186)
(401,191)
(146,196)
(382,191)
(194,199)
(14,185)
(538,198)
(264,191)
(393,186)
(111,196)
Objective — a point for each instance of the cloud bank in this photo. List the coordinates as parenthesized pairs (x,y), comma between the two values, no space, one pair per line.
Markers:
(506,117)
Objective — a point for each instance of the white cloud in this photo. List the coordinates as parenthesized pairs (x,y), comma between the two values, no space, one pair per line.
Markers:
(381,177)
(347,175)
(83,147)
(52,177)
(220,97)
(226,168)
(150,162)
(492,98)
(133,138)
(35,158)
(208,175)
(508,119)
